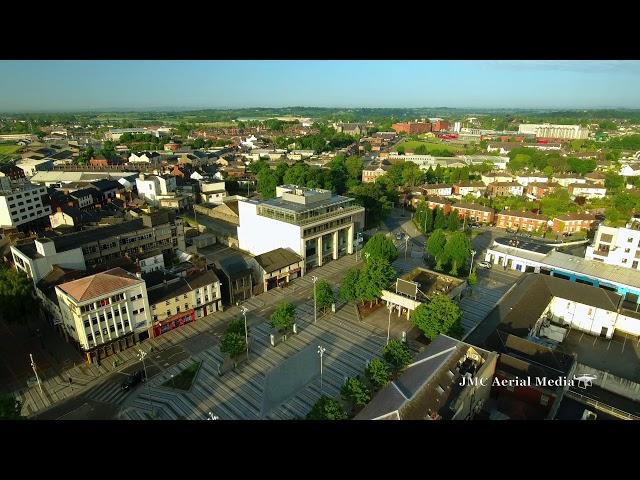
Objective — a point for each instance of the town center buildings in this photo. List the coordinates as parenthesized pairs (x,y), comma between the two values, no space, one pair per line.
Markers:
(314,223)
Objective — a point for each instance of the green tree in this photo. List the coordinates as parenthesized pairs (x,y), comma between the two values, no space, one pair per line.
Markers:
(614,182)
(327,409)
(457,251)
(397,355)
(233,344)
(17,297)
(376,275)
(355,391)
(453,221)
(439,220)
(411,175)
(10,407)
(400,150)
(380,246)
(378,373)
(324,295)
(283,317)
(348,288)
(236,326)
(440,315)
(354,167)
(267,183)
(436,243)
(472,279)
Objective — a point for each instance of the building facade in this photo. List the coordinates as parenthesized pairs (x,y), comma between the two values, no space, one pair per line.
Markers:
(313,223)
(546,130)
(528,221)
(573,222)
(616,246)
(22,204)
(104,313)
(505,189)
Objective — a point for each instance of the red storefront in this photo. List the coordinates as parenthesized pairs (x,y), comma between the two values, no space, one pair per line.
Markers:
(175,321)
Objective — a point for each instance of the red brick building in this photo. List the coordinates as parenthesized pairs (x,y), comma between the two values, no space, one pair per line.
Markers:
(527,221)
(439,125)
(412,127)
(475,212)
(541,189)
(573,222)
(443,203)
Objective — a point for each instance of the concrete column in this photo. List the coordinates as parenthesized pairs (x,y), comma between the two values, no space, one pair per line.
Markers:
(334,238)
(319,250)
(113,319)
(350,239)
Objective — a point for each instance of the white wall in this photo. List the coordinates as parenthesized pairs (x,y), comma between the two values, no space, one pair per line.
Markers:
(257,234)
(584,317)
(40,267)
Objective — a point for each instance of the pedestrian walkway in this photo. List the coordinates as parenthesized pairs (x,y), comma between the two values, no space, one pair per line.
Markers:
(83,377)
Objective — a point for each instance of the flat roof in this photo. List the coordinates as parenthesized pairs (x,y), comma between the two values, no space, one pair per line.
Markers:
(301,208)
(534,247)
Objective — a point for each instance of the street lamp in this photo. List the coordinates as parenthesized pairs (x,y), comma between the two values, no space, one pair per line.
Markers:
(406,246)
(473,253)
(358,237)
(321,351)
(390,308)
(141,355)
(244,311)
(33,365)
(315,310)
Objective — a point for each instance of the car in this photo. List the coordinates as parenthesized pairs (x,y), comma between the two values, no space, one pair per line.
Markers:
(484,264)
(133,379)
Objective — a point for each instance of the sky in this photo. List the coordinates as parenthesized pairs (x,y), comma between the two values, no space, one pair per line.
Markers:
(93,85)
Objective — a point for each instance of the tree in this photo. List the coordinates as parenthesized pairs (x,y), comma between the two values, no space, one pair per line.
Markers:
(233,344)
(453,221)
(380,246)
(428,222)
(10,407)
(348,292)
(397,355)
(355,391)
(457,251)
(16,296)
(376,275)
(354,167)
(327,409)
(436,243)
(378,373)
(411,174)
(237,326)
(267,183)
(439,220)
(400,150)
(324,295)
(440,315)
(283,318)
(472,279)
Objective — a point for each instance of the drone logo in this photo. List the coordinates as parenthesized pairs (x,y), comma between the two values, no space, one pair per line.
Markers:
(585,380)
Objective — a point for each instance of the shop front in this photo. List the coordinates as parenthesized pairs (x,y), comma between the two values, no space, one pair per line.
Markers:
(175,321)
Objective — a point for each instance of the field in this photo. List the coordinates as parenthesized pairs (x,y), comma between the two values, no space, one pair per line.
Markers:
(8,149)
(411,145)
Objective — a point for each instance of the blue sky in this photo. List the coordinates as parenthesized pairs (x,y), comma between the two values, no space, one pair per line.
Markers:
(81,85)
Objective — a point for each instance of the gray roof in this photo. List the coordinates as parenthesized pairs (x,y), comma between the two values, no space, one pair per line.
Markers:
(300,208)
(612,273)
(277,259)
(539,248)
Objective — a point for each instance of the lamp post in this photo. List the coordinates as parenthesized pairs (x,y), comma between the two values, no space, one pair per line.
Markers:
(390,308)
(358,237)
(406,246)
(321,351)
(33,365)
(141,355)
(473,253)
(315,310)
(244,311)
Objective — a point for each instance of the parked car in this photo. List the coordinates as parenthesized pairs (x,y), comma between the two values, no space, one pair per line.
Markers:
(484,264)
(133,379)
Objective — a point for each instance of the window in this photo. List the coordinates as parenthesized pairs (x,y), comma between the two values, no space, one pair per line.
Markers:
(630,239)
(139,295)
(590,312)
(90,337)
(167,302)
(105,331)
(627,250)
(135,312)
(126,323)
(624,260)
(141,310)
(153,307)
(86,324)
(168,313)
(112,328)
(186,306)
(94,321)
(155,318)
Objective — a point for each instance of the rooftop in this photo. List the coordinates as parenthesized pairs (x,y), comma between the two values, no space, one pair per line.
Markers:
(525,214)
(100,284)
(534,247)
(277,259)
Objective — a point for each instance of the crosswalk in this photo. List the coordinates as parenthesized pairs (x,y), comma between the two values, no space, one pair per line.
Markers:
(110,391)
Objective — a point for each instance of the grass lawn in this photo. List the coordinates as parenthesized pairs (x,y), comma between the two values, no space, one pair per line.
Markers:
(185,378)
(9,149)
(411,145)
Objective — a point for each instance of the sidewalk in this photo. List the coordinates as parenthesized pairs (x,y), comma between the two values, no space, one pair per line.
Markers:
(84,377)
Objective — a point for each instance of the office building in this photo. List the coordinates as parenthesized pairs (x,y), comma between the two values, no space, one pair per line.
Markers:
(22,204)
(546,130)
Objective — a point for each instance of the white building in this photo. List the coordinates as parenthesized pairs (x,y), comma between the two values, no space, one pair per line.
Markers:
(312,222)
(493,177)
(568,179)
(213,192)
(587,190)
(31,166)
(546,130)
(527,178)
(143,157)
(109,309)
(150,187)
(22,204)
(116,133)
(617,246)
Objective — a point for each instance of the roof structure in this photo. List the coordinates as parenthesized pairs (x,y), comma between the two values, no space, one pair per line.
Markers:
(277,259)
(99,284)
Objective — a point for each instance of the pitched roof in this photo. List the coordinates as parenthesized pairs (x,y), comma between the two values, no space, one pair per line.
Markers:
(277,259)
(526,214)
(99,284)
(576,216)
